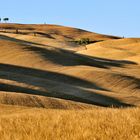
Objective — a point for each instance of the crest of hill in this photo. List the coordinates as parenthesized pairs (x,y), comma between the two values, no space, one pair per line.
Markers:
(56,31)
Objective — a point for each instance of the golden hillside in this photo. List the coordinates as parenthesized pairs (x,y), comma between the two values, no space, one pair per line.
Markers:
(87,91)
(95,74)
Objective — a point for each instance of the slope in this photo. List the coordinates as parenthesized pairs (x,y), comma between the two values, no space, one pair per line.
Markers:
(50,69)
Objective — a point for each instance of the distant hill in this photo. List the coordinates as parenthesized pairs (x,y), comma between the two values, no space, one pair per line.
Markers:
(55,31)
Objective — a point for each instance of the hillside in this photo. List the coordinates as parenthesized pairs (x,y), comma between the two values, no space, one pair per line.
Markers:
(54,32)
(96,74)
(53,88)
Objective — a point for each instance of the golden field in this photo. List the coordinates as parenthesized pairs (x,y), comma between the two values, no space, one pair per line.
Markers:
(96,124)
(53,88)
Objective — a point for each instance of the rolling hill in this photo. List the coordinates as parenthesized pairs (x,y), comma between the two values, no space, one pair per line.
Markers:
(53,88)
(101,73)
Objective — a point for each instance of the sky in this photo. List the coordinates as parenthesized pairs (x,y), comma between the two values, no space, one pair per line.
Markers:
(113,17)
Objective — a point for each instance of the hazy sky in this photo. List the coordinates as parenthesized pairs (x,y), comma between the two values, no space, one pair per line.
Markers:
(117,17)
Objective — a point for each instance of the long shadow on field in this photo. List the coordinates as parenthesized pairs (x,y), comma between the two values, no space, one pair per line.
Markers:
(48,85)
(67,58)
(46,75)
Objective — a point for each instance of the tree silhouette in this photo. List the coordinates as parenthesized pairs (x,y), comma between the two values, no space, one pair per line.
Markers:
(5,19)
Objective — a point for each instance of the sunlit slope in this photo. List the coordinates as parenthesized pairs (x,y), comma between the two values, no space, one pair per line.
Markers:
(29,100)
(115,49)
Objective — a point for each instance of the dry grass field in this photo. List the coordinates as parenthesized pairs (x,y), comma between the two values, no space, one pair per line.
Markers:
(53,88)
(96,124)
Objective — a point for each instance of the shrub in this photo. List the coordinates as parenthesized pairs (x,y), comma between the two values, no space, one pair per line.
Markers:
(83,41)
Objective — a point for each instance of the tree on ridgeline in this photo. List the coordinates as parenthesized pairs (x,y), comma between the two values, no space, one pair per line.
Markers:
(5,19)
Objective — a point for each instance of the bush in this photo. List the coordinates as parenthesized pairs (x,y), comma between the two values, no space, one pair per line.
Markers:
(83,41)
